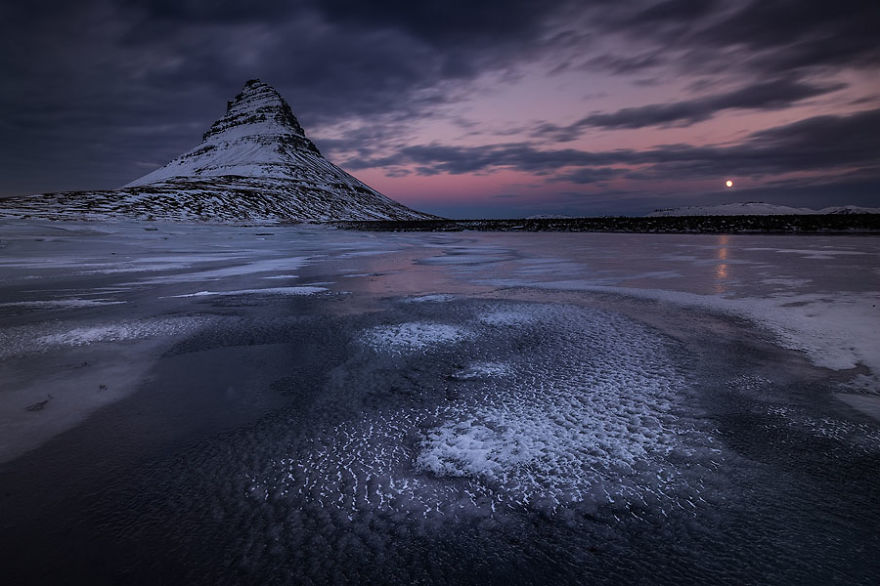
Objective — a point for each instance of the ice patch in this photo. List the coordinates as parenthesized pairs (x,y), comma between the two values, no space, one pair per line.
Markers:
(132,330)
(469,448)
(414,336)
(267,291)
(562,424)
(257,266)
(479,370)
(434,298)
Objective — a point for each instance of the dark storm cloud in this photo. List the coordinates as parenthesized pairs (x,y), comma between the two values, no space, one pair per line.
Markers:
(234,11)
(83,80)
(802,33)
(814,144)
(445,22)
(766,36)
(674,11)
(771,95)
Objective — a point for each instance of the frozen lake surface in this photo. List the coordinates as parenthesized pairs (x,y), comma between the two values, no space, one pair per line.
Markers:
(223,405)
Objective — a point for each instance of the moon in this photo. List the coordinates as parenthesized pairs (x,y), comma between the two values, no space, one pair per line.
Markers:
(729,183)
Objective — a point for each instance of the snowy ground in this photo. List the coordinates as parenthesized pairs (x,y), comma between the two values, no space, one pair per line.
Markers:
(293,404)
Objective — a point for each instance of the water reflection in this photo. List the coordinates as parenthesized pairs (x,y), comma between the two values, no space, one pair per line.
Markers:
(400,273)
(721,267)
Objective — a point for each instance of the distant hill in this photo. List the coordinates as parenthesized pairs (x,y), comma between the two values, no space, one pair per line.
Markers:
(756,208)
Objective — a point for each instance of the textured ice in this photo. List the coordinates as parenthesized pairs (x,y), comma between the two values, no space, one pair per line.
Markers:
(470,448)
(483,369)
(20,340)
(584,419)
(414,336)
(553,435)
(118,332)
(836,331)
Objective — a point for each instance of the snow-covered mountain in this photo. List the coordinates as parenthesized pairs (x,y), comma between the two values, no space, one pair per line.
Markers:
(849,210)
(757,208)
(255,164)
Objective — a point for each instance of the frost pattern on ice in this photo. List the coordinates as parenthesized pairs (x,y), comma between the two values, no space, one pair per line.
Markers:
(414,336)
(20,340)
(132,330)
(471,448)
(588,427)
(555,436)
(483,370)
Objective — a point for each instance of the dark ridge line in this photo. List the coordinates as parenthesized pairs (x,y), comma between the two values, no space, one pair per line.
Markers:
(794,224)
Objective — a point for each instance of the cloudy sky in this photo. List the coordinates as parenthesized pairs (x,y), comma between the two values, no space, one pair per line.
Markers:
(465,108)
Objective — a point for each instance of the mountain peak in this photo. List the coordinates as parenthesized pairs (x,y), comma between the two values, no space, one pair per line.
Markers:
(257,137)
(255,164)
(259,110)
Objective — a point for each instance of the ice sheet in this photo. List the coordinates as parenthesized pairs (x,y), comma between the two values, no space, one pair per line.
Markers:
(817,295)
(509,400)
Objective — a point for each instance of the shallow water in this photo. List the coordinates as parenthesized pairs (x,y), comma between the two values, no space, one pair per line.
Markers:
(294,405)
